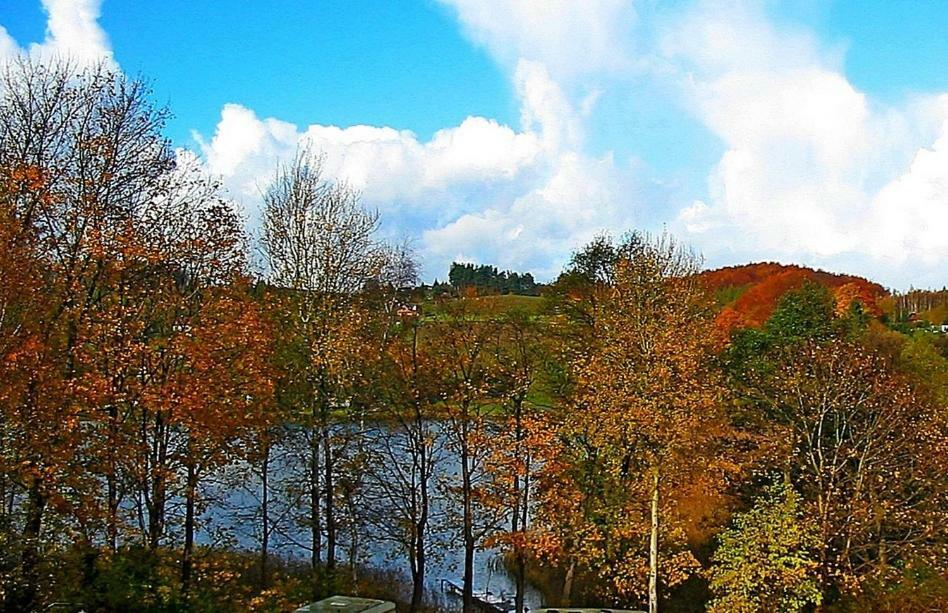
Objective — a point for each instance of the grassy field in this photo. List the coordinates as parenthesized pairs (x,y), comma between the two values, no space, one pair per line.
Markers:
(488,306)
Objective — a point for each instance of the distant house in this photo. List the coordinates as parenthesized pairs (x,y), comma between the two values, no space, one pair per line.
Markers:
(408,310)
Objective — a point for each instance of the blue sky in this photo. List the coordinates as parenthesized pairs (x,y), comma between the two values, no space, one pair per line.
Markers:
(511,131)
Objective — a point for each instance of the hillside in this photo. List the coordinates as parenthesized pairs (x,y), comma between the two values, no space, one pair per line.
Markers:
(749,293)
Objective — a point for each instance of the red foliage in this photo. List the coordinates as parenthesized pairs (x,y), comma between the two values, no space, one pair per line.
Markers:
(863,292)
(768,281)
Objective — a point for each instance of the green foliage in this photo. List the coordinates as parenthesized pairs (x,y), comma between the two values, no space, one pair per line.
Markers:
(802,314)
(854,323)
(920,357)
(919,589)
(727,294)
(136,580)
(595,262)
(488,277)
(506,305)
(748,353)
(764,562)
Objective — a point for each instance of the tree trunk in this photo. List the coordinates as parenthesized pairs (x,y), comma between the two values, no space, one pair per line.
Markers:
(521,509)
(186,561)
(417,587)
(354,541)
(90,554)
(158,495)
(421,525)
(328,470)
(468,524)
(567,594)
(314,512)
(653,549)
(156,513)
(3,500)
(521,583)
(518,523)
(265,514)
(418,573)
(23,597)
(111,482)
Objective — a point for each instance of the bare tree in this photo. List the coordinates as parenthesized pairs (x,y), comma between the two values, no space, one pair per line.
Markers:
(406,449)
(469,374)
(321,249)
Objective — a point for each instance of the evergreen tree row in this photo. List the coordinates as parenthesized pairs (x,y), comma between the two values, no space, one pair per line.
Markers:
(486,277)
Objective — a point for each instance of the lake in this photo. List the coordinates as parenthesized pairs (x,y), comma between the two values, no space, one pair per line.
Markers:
(232,514)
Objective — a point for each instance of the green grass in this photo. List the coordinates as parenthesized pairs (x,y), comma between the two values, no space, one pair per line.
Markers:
(494,304)
(729,293)
(489,306)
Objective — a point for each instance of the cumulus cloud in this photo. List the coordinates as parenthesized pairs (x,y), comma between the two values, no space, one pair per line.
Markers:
(72,32)
(536,232)
(476,190)
(383,163)
(813,168)
(8,46)
(570,38)
(810,169)
(909,216)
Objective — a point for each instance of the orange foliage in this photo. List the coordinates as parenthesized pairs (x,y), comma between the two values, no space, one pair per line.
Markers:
(863,293)
(768,281)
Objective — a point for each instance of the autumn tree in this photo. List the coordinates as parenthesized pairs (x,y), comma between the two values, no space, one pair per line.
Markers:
(132,251)
(863,451)
(406,450)
(463,340)
(578,289)
(221,382)
(765,560)
(647,413)
(86,158)
(855,436)
(321,250)
(520,357)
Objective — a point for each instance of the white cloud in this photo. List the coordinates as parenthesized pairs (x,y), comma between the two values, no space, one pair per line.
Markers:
(812,167)
(8,46)
(390,164)
(478,189)
(570,38)
(545,108)
(711,38)
(385,164)
(72,32)
(537,231)
(909,216)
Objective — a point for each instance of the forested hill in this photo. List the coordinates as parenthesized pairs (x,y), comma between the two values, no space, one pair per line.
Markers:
(749,293)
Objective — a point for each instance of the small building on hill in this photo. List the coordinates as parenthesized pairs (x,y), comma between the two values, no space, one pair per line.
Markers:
(408,310)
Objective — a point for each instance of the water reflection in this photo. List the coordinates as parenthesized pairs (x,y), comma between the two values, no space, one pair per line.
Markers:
(233,509)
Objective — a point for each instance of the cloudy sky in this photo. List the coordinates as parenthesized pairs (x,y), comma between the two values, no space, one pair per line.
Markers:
(511,131)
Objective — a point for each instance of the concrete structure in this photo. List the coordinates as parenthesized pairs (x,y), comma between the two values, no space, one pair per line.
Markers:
(574,610)
(347,604)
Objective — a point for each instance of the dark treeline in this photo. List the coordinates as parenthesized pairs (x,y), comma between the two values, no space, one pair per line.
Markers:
(488,278)
(618,443)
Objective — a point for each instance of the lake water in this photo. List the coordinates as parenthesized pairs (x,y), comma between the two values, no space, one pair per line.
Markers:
(232,517)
